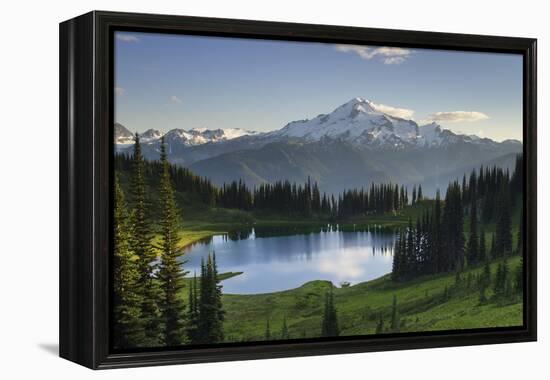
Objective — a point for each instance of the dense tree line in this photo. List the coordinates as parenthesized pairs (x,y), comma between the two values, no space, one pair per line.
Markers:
(379,198)
(307,199)
(183,180)
(148,279)
(281,196)
(436,243)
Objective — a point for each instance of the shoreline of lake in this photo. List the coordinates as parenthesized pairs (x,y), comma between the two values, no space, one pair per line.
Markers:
(278,260)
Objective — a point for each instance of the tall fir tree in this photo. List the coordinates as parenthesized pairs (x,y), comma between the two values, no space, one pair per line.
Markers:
(518,280)
(399,263)
(503,238)
(437,236)
(453,221)
(485,279)
(211,314)
(192,326)
(473,242)
(410,254)
(501,285)
(284,330)
(493,249)
(128,331)
(141,245)
(520,235)
(482,246)
(329,323)
(170,272)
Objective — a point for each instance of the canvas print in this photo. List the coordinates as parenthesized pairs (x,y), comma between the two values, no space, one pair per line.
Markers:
(275,191)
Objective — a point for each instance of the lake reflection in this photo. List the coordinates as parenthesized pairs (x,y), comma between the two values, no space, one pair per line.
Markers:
(273,260)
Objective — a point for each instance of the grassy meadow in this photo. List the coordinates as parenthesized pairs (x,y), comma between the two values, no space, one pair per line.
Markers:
(428,303)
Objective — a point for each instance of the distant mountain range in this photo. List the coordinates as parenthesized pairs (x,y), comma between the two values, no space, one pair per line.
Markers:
(187,138)
(353,146)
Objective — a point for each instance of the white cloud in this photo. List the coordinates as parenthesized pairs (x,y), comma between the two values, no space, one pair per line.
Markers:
(126,38)
(175,99)
(388,55)
(457,116)
(402,113)
(119,91)
(394,60)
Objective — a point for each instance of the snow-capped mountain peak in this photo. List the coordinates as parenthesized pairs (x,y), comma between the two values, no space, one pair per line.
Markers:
(191,137)
(357,121)
(364,123)
(122,135)
(150,135)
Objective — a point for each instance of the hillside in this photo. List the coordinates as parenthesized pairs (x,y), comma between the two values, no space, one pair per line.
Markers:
(421,306)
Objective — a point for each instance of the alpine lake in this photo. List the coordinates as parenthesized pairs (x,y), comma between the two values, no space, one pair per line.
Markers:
(277,259)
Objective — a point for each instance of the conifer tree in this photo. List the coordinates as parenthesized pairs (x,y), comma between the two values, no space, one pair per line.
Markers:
(128,331)
(486,275)
(498,287)
(329,324)
(453,221)
(170,272)
(493,246)
(520,236)
(419,257)
(192,327)
(503,244)
(410,257)
(516,182)
(501,286)
(437,235)
(211,314)
(398,258)
(482,246)
(218,306)
(284,330)
(419,196)
(141,245)
(518,280)
(473,243)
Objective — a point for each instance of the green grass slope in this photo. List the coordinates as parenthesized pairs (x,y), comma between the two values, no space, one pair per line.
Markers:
(421,306)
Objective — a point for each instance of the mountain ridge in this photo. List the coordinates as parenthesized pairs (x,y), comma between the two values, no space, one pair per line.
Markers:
(358,121)
(354,145)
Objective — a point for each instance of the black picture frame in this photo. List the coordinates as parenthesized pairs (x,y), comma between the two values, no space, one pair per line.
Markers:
(86,127)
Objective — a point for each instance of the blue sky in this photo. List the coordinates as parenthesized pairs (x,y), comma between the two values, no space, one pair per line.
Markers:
(173,81)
